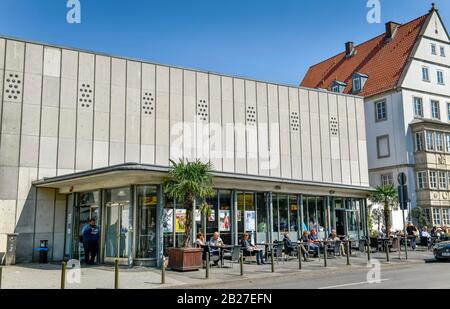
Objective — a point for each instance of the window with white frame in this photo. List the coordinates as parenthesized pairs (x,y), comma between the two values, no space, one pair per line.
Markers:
(440,77)
(439,141)
(425,74)
(433,179)
(435,112)
(430,140)
(433,49)
(443,180)
(380,110)
(442,51)
(448,111)
(448,179)
(419,141)
(447,139)
(418,107)
(387,180)
(421,180)
(357,84)
(446,216)
(436,216)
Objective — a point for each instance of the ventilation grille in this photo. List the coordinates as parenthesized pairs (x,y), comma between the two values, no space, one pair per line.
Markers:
(295,121)
(251,116)
(202,110)
(334,126)
(85,95)
(13,87)
(148,104)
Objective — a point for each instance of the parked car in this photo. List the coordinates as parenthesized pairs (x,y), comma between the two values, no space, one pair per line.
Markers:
(442,251)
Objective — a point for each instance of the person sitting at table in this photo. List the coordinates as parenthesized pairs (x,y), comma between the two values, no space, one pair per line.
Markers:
(424,232)
(333,237)
(306,238)
(200,243)
(216,243)
(249,249)
(288,246)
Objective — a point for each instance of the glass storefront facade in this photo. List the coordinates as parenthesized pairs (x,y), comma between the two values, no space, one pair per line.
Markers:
(138,223)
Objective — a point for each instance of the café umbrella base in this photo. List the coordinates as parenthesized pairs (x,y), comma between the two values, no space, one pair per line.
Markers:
(185,259)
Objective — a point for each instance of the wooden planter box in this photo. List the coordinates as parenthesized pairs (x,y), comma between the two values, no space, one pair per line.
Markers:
(185,259)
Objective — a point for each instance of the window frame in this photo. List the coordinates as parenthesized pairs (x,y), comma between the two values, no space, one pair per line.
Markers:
(443,184)
(419,136)
(426,70)
(439,147)
(434,49)
(422,180)
(377,103)
(433,145)
(432,101)
(389,177)
(435,215)
(440,75)
(418,100)
(433,181)
(442,51)
(386,136)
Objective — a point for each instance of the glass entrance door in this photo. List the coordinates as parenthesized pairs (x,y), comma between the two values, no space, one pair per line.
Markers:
(118,226)
(347,223)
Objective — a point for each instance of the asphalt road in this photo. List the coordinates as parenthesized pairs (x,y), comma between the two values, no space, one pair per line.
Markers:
(419,275)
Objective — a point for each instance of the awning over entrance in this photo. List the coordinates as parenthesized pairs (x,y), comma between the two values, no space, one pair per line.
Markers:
(131,173)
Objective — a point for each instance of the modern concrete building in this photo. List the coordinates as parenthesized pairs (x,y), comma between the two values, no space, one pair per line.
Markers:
(404,77)
(90,135)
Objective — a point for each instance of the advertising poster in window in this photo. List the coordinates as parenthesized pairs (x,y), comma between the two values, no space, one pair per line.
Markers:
(224,220)
(212,217)
(250,221)
(198,215)
(167,220)
(180,220)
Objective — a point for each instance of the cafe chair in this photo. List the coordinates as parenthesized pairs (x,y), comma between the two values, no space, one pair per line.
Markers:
(233,255)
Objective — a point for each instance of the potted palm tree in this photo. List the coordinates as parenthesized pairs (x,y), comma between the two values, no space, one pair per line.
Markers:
(186,182)
(387,196)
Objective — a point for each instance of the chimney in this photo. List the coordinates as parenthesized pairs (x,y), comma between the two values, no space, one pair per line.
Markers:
(349,49)
(391,28)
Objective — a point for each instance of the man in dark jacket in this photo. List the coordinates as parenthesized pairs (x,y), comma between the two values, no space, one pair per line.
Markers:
(92,236)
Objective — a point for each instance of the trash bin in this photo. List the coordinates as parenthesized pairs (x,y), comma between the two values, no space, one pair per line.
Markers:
(43,252)
(11,247)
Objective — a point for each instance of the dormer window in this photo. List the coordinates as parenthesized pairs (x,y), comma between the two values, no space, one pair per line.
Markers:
(359,80)
(338,86)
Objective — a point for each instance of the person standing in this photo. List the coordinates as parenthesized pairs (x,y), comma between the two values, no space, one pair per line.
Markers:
(412,232)
(92,235)
(84,241)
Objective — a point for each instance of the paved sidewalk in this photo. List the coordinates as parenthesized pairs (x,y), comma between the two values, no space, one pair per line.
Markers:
(48,276)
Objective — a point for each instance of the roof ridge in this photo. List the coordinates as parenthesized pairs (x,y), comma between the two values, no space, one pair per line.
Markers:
(369,40)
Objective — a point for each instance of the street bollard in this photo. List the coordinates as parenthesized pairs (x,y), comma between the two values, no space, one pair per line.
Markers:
(0,277)
(348,253)
(324,255)
(271,260)
(299,253)
(63,275)
(241,263)
(116,274)
(387,251)
(207,267)
(368,251)
(163,270)
(406,247)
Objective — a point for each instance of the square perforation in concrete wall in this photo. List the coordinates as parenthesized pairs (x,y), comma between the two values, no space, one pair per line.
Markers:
(295,121)
(13,86)
(148,104)
(251,116)
(86,95)
(334,126)
(202,110)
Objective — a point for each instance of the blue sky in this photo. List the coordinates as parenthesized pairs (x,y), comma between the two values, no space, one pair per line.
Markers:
(274,40)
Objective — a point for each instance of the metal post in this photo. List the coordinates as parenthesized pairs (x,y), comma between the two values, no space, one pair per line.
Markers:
(324,254)
(207,266)
(1,277)
(116,274)
(368,249)
(241,262)
(387,251)
(163,270)
(348,253)
(271,260)
(299,253)
(63,275)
